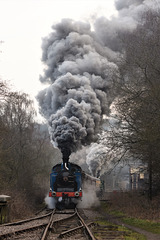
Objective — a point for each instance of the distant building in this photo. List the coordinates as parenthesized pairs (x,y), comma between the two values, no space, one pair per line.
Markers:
(138,178)
(125,178)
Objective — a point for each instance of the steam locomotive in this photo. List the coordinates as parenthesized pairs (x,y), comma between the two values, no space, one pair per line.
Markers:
(66,185)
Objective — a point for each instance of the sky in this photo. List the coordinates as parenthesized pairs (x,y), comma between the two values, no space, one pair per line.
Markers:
(23,24)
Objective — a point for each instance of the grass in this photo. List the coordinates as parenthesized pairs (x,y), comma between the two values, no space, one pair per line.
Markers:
(117,213)
(147,225)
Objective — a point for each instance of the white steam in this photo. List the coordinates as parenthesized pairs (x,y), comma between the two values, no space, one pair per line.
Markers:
(50,202)
(89,198)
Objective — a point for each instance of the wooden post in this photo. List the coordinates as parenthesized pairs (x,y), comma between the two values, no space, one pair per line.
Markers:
(4,210)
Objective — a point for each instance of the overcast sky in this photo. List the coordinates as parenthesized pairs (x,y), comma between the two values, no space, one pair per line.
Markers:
(23,24)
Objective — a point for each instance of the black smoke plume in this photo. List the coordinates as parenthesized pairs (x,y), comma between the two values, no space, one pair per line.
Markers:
(79,71)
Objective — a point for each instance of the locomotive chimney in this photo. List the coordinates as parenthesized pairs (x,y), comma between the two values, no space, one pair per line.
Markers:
(65,155)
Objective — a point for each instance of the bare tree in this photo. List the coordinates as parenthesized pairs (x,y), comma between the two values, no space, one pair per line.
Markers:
(138,104)
(26,154)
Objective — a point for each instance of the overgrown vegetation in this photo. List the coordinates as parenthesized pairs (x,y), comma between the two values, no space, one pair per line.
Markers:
(134,204)
(135,209)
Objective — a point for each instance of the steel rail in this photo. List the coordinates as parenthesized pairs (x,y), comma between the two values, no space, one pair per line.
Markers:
(26,220)
(89,233)
(22,230)
(76,230)
(48,226)
(51,223)
(26,228)
(62,220)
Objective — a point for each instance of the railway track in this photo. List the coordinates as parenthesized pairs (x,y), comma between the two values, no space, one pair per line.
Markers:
(56,224)
(25,229)
(66,224)
(71,226)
